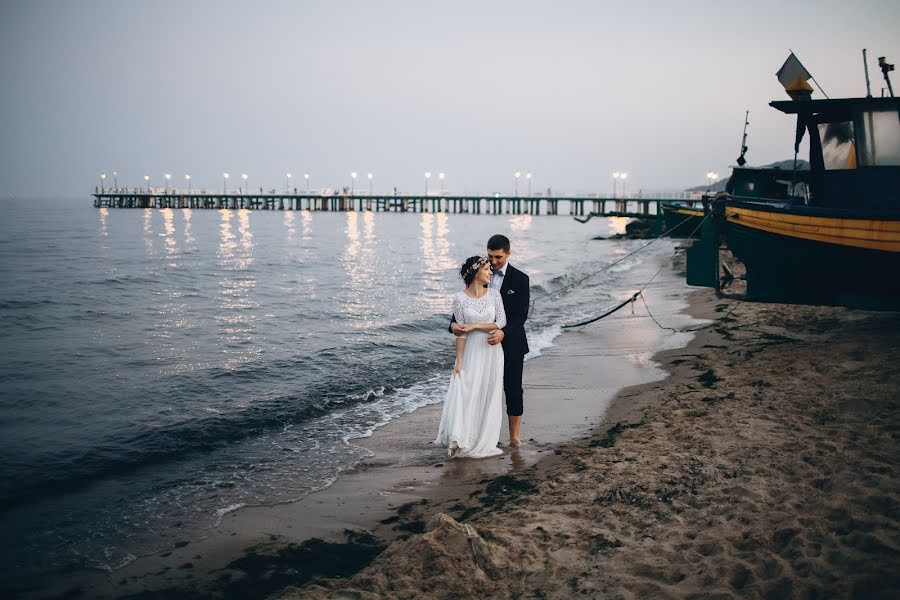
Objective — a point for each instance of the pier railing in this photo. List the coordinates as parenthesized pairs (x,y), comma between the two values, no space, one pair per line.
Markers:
(577,206)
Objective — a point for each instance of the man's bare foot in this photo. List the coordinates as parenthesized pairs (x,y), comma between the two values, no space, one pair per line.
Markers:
(515,443)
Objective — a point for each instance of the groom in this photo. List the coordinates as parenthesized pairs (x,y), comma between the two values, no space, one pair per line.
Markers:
(514,287)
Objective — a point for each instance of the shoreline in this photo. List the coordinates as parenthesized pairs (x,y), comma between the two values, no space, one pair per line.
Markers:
(764,465)
(383,496)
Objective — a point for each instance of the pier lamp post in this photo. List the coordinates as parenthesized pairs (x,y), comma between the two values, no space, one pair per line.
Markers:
(517,174)
(441,178)
(623,177)
(713,177)
(306,177)
(371,176)
(427,177)
(353,176)
(245,177)
(116,180)
(615,176)
(147,182)
(188,178)
(102,181)
(225,177)
(287,183)
(528,177)
(168,176)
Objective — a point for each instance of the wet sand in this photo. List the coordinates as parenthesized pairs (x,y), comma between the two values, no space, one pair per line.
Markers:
(765,466)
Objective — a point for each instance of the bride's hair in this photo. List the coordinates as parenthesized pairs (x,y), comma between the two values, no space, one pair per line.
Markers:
(469,268)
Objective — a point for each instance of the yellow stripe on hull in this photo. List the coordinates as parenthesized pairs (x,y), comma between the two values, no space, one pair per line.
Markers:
(685,211)
(859,233)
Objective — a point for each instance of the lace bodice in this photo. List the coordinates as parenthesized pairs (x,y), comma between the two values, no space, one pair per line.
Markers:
(487,309)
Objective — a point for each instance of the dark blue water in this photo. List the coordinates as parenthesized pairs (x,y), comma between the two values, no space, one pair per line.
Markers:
(159,368)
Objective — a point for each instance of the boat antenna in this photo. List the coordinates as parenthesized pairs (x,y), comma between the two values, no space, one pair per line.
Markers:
(812,78)
(741,161)
(866,69)
(886,68)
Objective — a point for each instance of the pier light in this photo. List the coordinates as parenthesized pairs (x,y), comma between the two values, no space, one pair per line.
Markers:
(623,177)
(615,177)
(168,176)
(245,177)
(225,177)
(116,179)
(287,183)
(517,174)
(371,176)
(441,177)
(187,178)
(102,181)
(712,176)
(528,177)
(353,181)
(147,181)
(306,177)
(427,177)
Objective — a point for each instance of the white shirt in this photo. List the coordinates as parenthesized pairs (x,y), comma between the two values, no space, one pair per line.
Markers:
(496,280)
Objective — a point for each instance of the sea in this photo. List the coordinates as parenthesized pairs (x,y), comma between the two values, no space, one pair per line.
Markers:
(162,368)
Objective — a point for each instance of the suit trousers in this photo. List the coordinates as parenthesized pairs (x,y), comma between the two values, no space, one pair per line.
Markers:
(512,382)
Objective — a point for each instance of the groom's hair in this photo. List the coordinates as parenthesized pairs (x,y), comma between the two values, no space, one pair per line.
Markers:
(498,242)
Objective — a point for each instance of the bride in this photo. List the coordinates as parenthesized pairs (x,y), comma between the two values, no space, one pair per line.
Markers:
(473,406)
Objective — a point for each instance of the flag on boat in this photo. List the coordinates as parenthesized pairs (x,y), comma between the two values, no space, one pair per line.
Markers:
(794,76)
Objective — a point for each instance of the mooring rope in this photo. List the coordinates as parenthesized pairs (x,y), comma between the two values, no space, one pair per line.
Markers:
(640,292)
(614,263)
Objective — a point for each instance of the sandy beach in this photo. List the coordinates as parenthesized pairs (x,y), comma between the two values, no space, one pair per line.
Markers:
(764,466)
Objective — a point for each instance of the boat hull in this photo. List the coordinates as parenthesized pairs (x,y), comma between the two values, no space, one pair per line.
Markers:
(680,221)
(817,256)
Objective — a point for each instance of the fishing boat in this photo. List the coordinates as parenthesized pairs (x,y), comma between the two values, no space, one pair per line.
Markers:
(838,241)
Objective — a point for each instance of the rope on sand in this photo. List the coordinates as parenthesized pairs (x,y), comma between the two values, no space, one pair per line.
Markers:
(640,292)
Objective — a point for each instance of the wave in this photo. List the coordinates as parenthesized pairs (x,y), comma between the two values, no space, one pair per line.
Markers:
(367,373)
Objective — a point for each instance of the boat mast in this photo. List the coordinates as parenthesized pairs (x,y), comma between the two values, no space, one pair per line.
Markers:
(741,161)
(866,69)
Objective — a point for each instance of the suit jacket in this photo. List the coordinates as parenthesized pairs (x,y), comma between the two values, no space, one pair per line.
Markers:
(516,293)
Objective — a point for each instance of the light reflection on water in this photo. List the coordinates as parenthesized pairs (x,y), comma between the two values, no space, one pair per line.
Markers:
(435,249)
(358,281)
(236,314)
(617,225)
(189,242)
(104,218)
(168,216)
(148,230)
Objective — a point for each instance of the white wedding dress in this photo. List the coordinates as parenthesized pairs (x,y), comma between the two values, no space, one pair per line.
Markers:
(473,407)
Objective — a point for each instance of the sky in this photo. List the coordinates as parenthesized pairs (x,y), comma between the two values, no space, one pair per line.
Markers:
(570,91)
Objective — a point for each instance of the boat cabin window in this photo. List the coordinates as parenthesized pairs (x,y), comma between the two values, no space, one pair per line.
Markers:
(838,151)
(879,140)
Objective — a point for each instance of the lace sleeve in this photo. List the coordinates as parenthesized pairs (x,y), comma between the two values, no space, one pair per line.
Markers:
(499,312)
(458,311)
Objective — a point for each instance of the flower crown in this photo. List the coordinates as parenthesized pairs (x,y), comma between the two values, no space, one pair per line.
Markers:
(476,266)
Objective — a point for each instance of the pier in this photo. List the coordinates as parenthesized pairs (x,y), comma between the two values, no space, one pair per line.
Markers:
(495,204)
